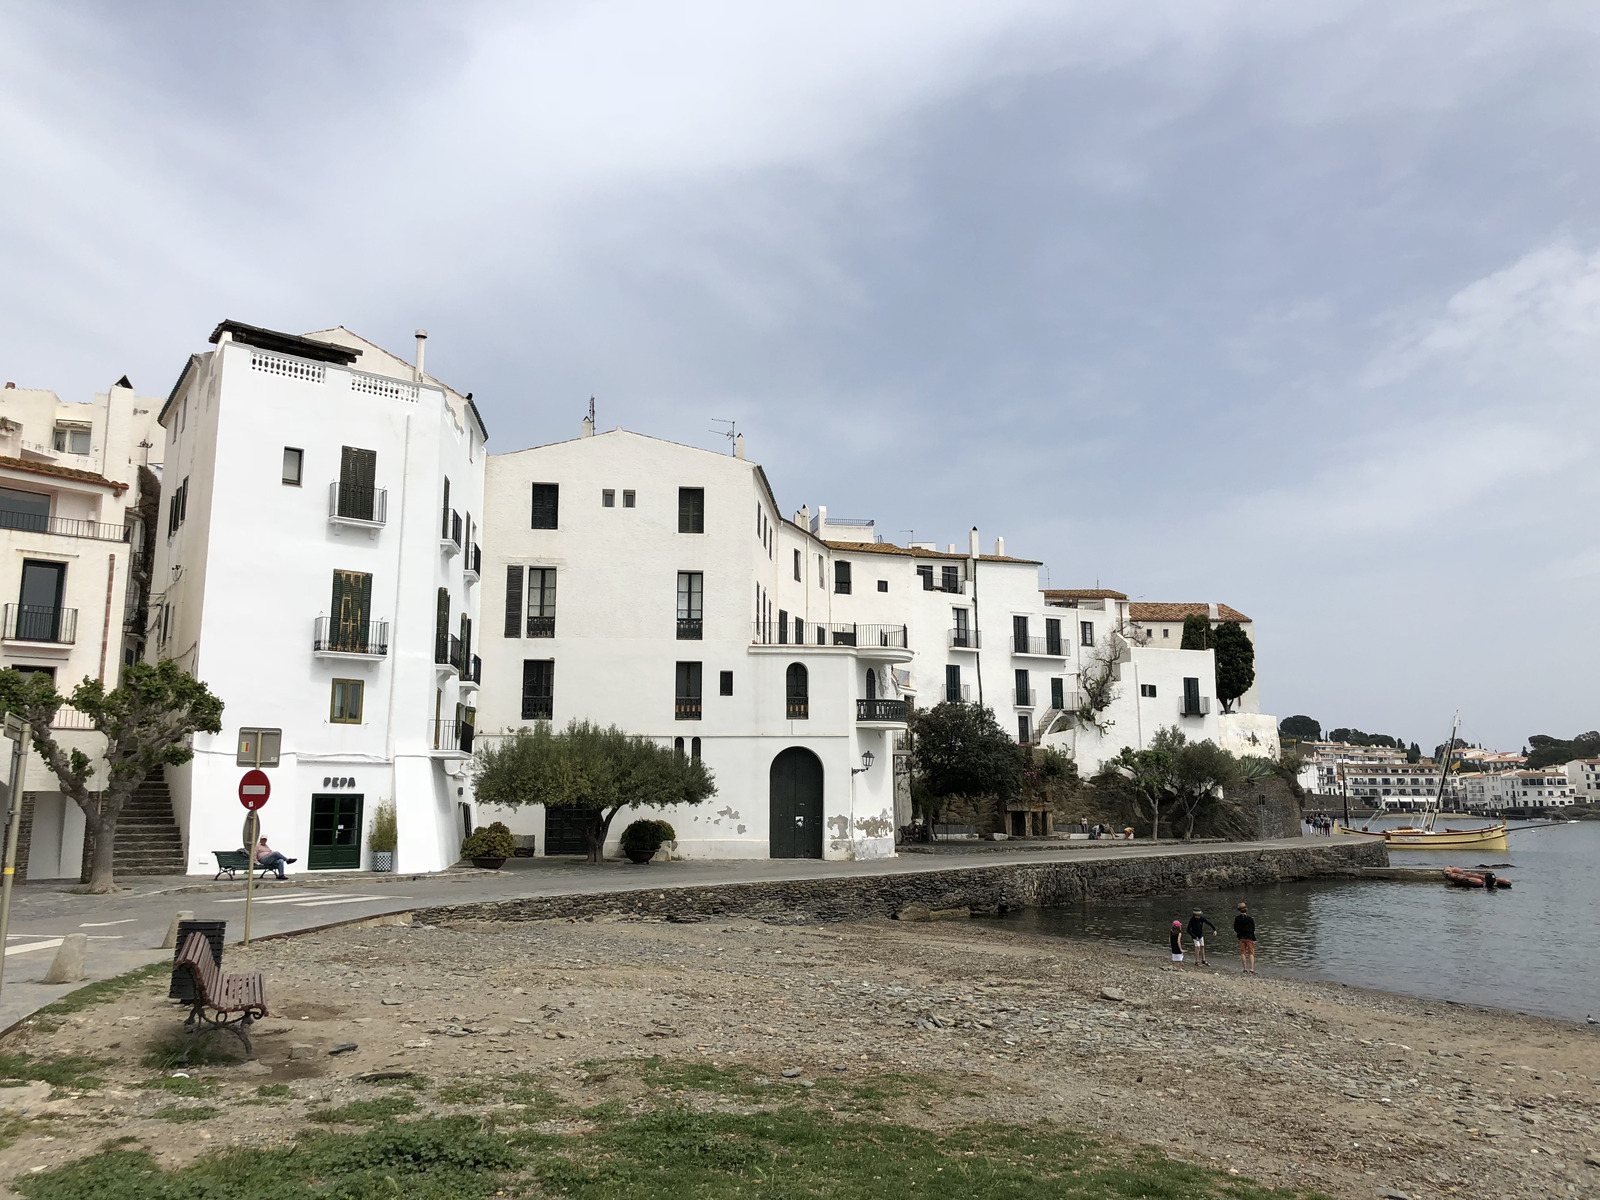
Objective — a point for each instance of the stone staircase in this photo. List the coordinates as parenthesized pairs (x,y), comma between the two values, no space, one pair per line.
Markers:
(148,840)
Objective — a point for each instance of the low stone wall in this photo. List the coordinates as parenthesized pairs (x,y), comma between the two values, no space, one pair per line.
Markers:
(980,888)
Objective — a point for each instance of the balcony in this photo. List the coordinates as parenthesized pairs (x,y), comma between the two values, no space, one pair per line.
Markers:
(691,629)
(538,708)
(451,737)
(450,532)
(881,712)
(448,652)
(68,717)
(956,587)
(342,639)
(473,567)
(686,708)
(63,526)
(351,504)
(541,627)
(1037,646)
(1194,706)
(1026,697)
(965,639)
(41,624)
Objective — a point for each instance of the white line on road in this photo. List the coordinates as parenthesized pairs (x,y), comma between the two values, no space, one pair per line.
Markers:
(49,944)
(103,924)
(348,900)
(276,897)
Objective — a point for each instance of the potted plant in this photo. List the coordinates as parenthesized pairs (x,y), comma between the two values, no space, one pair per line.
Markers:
(489,848)
(384,838)
(642,839)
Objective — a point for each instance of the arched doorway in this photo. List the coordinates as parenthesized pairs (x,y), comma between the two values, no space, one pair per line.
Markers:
(796,805)
(872,684)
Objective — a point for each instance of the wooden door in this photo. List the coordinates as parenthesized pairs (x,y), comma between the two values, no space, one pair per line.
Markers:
(358,474)
(351,611)
(566,830)
(795,805)
(335,832)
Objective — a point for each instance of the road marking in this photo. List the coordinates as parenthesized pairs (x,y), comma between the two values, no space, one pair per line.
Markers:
(276,898)
(348,900)
(103,924)
(49,944)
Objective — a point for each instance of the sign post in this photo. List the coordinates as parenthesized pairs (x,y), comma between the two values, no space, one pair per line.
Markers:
(17,730)
(254,789)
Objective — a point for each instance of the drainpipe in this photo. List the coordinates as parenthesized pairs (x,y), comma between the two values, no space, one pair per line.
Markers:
(977,657)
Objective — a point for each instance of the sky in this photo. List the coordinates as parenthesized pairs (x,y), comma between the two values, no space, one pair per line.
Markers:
(1293,307)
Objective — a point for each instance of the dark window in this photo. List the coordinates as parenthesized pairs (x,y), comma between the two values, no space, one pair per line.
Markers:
(1019,635)
(841,578)
(24,510)
(350,613)
(686,697)
(725,683)
(1024,692)
(925,572)
(608,498)
(962,633)
(441,626)
(546,505)
(950,578)
(183,501)
(694,749)
(677,747)
(797,564)
(1086,633)
(1024,729)
(538,689)
(1058,694)
(39,616)
(952,683)
(1191,699)
(691,598)
(1147,690)
(541,602)
(783,627)
(691,510)
(799,631)
(358,477)
(627,499)
(1052,635)
(513,601)
(345,708)
(883,585)
(293,465)
(797,693)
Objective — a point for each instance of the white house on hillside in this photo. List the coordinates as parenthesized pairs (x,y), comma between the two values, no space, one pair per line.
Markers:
(317,567)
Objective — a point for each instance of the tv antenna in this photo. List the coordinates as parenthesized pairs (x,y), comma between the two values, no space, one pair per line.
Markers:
(731,432)
(591,412)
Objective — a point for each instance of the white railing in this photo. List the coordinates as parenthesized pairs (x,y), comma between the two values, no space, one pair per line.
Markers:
(379,385)
(289,368)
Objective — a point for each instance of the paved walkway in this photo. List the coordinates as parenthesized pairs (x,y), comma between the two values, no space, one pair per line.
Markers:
(125,929)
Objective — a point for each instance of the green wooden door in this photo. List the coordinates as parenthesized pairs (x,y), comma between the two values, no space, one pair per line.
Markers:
(335,833)
(795,805)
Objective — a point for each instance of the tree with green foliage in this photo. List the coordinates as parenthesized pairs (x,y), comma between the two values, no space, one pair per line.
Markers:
(1147,776)
(1414,753)
(1301,727)
(959,749)
(147,720)
(1546,751)
(1196,632)
(586,766)
(1199,771)
(1236,662)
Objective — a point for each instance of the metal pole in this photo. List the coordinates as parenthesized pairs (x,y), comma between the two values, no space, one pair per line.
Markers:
(16,730)
(253,824)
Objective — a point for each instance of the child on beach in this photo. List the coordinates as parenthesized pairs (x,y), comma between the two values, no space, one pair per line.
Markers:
(1177,942)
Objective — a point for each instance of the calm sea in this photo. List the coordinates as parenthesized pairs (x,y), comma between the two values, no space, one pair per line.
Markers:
(1535,948)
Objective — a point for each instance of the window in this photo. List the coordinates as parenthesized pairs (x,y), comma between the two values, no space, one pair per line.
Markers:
(796,693)
(538,689)
(797,566)
(677,748)
(691,510)
(1052,636)
(686,706)
(1024,692)
(1147,690)
(694,749)
(1019,635)
(783,627)
(841,578)
(725,683)
(1024,729)
(925,573)
(178,507)
(952,683)
(822,575)
(799,631)
(347,697)
(961,635)
(350,613)
(1166,632)
(293,464)
(1058,694)
(541,602)
(1191,697)
(627,499)
(608,498)
(950,578)
(883,585)
(514,601)
(358,476)
(24,510)
(71,439)
(546,505)
(691,596)
(441,627)
(1086,633)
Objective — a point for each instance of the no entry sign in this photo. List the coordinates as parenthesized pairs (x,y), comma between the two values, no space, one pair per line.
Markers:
(254,789)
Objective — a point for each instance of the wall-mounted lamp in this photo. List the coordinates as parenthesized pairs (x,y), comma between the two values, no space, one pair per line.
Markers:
(866,764)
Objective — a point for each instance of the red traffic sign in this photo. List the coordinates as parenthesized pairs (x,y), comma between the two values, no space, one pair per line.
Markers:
(254,789)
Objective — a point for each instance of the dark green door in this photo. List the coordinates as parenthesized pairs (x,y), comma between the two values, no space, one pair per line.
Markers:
(795,783)
(335,833)
(566,830)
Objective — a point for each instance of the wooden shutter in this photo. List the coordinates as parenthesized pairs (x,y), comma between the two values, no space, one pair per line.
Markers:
(358,475)
(513,602)
(441,628)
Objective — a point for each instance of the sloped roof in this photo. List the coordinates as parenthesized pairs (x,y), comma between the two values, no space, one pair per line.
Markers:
(904,552)
(1083,594)
(285,343)
(1142,611)
(50,469)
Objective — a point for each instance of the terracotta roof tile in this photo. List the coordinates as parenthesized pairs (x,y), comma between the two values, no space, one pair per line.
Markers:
(1083,594)
(33,468)
(903,552)
(1142,611)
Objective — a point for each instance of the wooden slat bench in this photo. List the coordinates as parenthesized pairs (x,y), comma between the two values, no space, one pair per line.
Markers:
(230,1002)
(229,861)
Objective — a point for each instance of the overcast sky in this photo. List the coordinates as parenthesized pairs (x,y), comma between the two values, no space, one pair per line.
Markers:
(1296,307)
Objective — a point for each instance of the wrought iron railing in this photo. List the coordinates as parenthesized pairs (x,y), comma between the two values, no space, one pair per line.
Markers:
(450,527)
(41,623)
(833,634)
(686,708)
(541,627)
(65,526)
(343,637)
(965,639)
(452,735)
(691,629)
(474,564)
(354,502)
(881,710)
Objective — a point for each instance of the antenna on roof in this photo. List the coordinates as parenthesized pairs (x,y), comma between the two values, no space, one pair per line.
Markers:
(731,432)
(911,535)
(591,410)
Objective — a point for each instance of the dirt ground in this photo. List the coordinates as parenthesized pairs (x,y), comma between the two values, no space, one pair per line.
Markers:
(1292,1083)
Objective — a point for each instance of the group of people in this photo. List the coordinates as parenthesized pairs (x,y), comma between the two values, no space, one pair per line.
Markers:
(1244,929)
(1321,823)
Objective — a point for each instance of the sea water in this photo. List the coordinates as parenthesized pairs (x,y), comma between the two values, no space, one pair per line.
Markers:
(1534,948)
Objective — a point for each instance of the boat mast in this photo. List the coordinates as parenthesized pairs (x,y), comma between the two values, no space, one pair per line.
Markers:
(1444,770)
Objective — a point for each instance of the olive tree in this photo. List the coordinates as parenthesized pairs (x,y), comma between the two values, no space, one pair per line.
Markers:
(147,720)
(959,749)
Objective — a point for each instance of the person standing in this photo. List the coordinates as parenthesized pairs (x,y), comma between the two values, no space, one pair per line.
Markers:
(1197,935)
(1244,928)
(1177,942)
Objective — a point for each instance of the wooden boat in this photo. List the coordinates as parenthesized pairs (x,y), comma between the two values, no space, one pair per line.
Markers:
(1426,837)
(1473,879)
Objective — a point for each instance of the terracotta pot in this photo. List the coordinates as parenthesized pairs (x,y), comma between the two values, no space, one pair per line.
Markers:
(489,864)
(640,856)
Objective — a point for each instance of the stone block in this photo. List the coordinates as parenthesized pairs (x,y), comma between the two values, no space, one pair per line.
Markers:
(67,966)
(170,942)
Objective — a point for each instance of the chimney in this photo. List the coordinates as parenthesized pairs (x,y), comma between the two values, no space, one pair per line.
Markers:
(9,384)
(803,517)
(588,427)
(999,547)
(972,543)
(822,520)
(738,445)
(951,549)
(422,337)
(1212,610)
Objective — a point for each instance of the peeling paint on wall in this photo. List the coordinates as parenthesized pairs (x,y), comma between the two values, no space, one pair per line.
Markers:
(741,828)
(875,827)
(729,813)
(840,828)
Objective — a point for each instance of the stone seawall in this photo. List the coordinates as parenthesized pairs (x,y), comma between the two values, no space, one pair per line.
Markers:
(980,888)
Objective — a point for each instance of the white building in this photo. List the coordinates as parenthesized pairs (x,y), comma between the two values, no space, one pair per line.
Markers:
(318,569)
(1517,789)
(1583,778)
(1405,787)
(76,572)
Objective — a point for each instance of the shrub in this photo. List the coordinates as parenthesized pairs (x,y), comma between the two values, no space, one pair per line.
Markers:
(493,842)
(645,837)
(385,835)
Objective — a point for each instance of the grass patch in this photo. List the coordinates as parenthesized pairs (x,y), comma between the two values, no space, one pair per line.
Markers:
(181,1113)
(539,1103)
(846,1092)
(214,1049)
(180,1085)
(279,1090)
(67,1071)
(365,1112)
(105,990)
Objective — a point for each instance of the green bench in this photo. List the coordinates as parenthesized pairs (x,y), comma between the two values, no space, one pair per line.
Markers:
(229,861)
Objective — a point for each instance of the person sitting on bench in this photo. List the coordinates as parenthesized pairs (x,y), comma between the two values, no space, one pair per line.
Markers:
(267,857)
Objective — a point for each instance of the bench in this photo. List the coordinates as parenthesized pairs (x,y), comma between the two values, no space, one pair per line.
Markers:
(229,861)
(230,1002)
